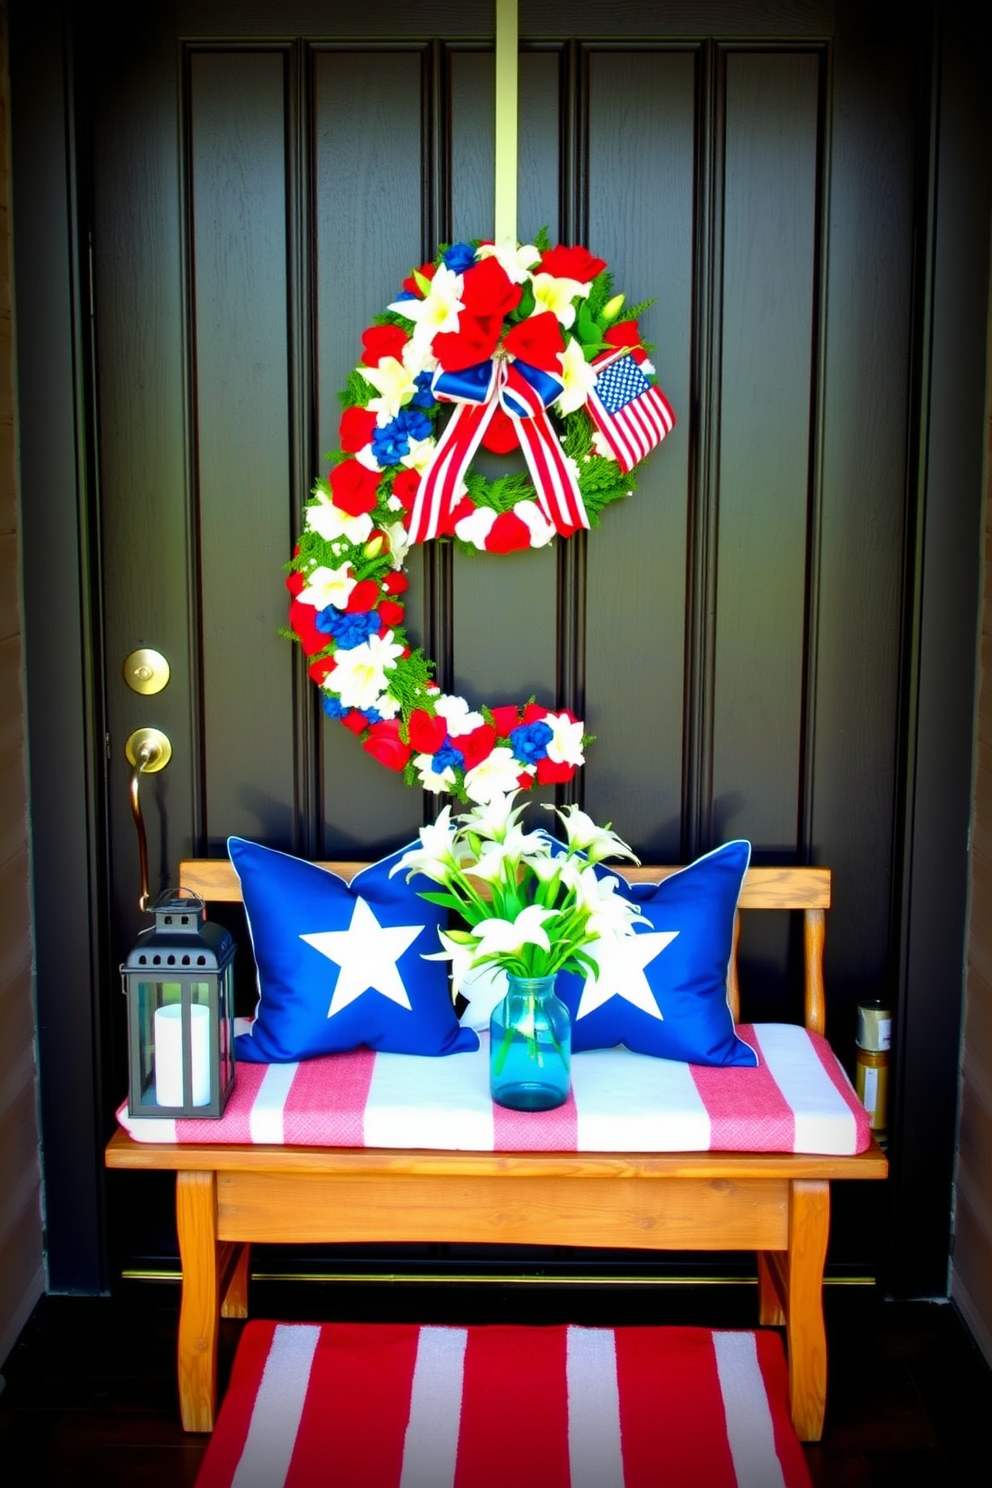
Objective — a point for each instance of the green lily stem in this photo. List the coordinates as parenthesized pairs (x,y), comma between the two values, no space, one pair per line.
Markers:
(534,1043)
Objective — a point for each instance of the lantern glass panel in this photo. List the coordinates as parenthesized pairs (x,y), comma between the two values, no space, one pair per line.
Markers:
(178,981)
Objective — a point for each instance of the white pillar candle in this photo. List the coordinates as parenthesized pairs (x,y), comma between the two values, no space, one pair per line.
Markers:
(169,1054)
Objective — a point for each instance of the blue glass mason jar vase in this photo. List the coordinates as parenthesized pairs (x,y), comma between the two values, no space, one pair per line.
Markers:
(530,1046)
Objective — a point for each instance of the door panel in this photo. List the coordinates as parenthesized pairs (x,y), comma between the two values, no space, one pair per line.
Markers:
(242,499)
(732,633)
(766,358)
(642,130)
(370,202)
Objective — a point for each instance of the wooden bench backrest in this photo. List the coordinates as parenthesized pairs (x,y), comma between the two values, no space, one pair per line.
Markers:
(806,889)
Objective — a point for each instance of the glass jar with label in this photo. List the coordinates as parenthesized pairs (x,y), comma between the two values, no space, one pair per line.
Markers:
(871,1074)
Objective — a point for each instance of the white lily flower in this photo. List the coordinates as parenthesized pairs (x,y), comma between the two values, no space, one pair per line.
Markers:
(485,987)
(438,311)
(609,912)
(585,836)
(496,936)
(367,458)
(489,867)
(516,262)
(399,541)
(578,376)
(494,776)
(386,705)
(460,956)
(419,455)
(327,586)
(547,868)
(556,295)
(438,856)
(458,716)
(395,385)
(492,819)
(464,723)
(431,779)
(526,846)
(360,673)
(330,522)
(565,744)
(476,527)
(418,358)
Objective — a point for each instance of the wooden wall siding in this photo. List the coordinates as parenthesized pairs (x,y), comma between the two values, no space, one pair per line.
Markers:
(22,1277)
(971,1274)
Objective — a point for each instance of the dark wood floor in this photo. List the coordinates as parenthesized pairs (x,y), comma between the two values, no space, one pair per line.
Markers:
(90,1393)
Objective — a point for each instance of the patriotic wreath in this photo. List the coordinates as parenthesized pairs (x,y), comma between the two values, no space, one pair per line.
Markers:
(498,347)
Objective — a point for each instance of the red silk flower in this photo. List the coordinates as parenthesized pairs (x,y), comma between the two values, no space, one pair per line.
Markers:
(356,429)
(476,746)
(463,508)
(383,341)
(501,435)
(405,487)
(626,334)
(550,773)
(395,583)
(511,715)
(488,290)
(426,271)
(390,613)
(571,263)
(355,721)
(507,534)
(303,622)
(353,487)
(385,745)
(427,732)
(363,597)
(321,670)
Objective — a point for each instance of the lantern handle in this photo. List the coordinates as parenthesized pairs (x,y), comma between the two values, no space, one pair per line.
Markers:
(148,750)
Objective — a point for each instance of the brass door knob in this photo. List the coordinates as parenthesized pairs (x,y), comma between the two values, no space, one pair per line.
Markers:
(148,750)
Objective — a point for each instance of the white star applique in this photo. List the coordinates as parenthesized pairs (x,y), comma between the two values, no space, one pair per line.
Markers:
(367,953)
(621,960)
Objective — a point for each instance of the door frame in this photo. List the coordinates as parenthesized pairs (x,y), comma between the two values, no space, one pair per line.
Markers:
(67,746)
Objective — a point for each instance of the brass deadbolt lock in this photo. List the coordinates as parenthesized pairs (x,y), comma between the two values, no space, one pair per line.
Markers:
(146,671)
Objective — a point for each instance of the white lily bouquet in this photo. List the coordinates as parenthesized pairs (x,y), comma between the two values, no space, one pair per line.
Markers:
(533,906)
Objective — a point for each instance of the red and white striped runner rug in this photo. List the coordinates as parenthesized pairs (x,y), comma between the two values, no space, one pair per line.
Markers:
(401,1406)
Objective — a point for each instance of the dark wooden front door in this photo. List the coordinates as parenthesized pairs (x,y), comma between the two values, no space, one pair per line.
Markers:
(258,179)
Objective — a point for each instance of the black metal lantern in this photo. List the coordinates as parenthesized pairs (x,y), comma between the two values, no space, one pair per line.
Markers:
(179,985)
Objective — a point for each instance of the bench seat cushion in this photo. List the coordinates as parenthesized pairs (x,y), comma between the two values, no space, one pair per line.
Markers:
(798,1099)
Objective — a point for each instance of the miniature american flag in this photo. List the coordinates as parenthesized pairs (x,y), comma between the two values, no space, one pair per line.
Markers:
(631,413)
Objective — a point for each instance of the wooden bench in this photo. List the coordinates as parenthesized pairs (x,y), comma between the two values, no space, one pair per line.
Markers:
(775,1204)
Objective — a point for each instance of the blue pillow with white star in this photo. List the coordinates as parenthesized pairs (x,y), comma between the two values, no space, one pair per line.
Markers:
(663,990)
(341,965)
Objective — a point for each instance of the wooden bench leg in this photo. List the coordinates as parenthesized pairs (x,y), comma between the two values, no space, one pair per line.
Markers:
(809,1225)
(235,1275)
(771,1313)
(199,1317)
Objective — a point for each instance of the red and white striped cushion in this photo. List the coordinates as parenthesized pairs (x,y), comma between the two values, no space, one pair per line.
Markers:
(401,1406)
(798,1099)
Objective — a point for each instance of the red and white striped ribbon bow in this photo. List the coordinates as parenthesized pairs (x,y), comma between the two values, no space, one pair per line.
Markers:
(524,398)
